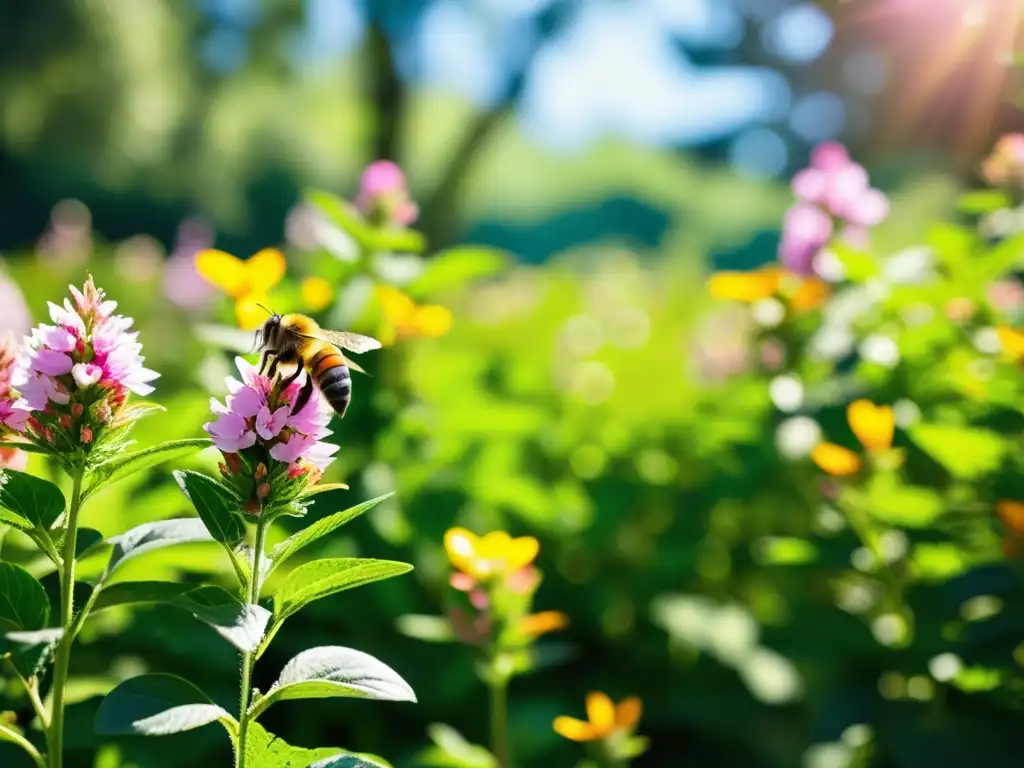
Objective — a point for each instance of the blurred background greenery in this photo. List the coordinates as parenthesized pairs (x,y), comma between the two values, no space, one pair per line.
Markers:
(581,166)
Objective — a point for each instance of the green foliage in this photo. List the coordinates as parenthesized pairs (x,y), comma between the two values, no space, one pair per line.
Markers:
(23,601)
(28,502)
(215,505)
(157,705)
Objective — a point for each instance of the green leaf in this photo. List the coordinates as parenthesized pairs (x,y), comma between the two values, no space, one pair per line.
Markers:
(983,201)
(215,505)
(28,447)
(455,267)
(149,536)
(23,602)
(906,505)
(87,540)
(241,625)
(396,240)
(321,578)
(125,464)
(323,488)
(264,750)
(33,649)
(335,672)
(453,750)
(321,528)
(966,452)
(27,501)
(431,629)
(156,705)
(351,760)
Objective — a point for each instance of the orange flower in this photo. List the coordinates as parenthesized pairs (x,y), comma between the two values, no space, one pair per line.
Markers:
(603,719)
(873,425)
(1012,515)
(836,460)
(407,319)
(485,557)
(801,293)
(537,624)
(247,282)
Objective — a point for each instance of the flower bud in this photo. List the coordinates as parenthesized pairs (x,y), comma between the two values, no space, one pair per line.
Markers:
(64,421)
(261,471)
(77,410)
(262,490)
(86,435)
(233,462)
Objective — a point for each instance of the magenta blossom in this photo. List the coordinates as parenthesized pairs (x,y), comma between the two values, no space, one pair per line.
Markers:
(267,447)
(836,190)
(77,373)
(384,195)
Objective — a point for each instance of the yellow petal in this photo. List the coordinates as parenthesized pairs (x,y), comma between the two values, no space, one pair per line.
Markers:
(222,270)
(575,730)
(809,294)
(1012,341)
(462,548)
(746,286)
(250,311)
(494,545)
(265,269)
(627,714)
(521,552)
(537,624)
(1012,514)
(836,460)
(600,711)
(396,306)
(316,293)
(432,320)
(872,424)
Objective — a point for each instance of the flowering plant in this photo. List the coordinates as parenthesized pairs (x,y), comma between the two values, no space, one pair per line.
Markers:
(273,454)
(67,397)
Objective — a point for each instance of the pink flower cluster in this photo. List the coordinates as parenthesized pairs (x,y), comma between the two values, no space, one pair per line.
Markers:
(262,440)
(1005,166)
(77,373)
(384,195)
(833,191)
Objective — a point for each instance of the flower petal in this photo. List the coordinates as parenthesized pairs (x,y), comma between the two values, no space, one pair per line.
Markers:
(872,424)
(249,311)
(836,460)
(1012,341)
(520,552)
(575,730)
(462,548)
(745,286)
(627,714)
(223,270)
(600,711)
(1012,514)
(264,270)
(537,624)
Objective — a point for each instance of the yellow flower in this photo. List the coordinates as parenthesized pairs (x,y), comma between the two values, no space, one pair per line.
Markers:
(484,557)
(409,319)
(603,719)
(1012,341)
(247,282)
(537,624)
(801,293)
(316,293)
(873,425)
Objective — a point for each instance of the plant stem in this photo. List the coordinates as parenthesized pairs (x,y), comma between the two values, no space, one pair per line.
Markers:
(67,610)
(9,734)
(499,721)
(252,598)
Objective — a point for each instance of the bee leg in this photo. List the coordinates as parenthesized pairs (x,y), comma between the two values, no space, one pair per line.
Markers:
(272,371)
(263,361)
(304,394)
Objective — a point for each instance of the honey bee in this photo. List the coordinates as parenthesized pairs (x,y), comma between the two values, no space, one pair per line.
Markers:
(295,339)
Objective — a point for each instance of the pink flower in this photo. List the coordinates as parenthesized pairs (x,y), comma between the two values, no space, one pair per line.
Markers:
(281,451)
(833,190)
(87,360)
(1005,166)
(384,194)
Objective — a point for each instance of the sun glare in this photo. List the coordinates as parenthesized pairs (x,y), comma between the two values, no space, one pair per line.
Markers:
(954,62)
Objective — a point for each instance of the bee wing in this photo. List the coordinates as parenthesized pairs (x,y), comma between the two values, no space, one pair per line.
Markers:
(354,365)
(353,342)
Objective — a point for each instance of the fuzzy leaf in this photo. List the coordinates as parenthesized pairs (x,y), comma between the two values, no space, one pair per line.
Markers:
(321,578)
(323,488)
(241,625)
(320,528)
(156,705)
(125,464)
(264,750)
(87,541)
(351,760)
(23,602)
(332,671)
(215,505)
(27,501)
(149,536)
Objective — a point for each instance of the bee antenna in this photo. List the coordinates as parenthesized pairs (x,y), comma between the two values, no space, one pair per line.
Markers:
(269,312)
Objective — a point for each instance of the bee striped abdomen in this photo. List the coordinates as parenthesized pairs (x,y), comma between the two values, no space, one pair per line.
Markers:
(333,378)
